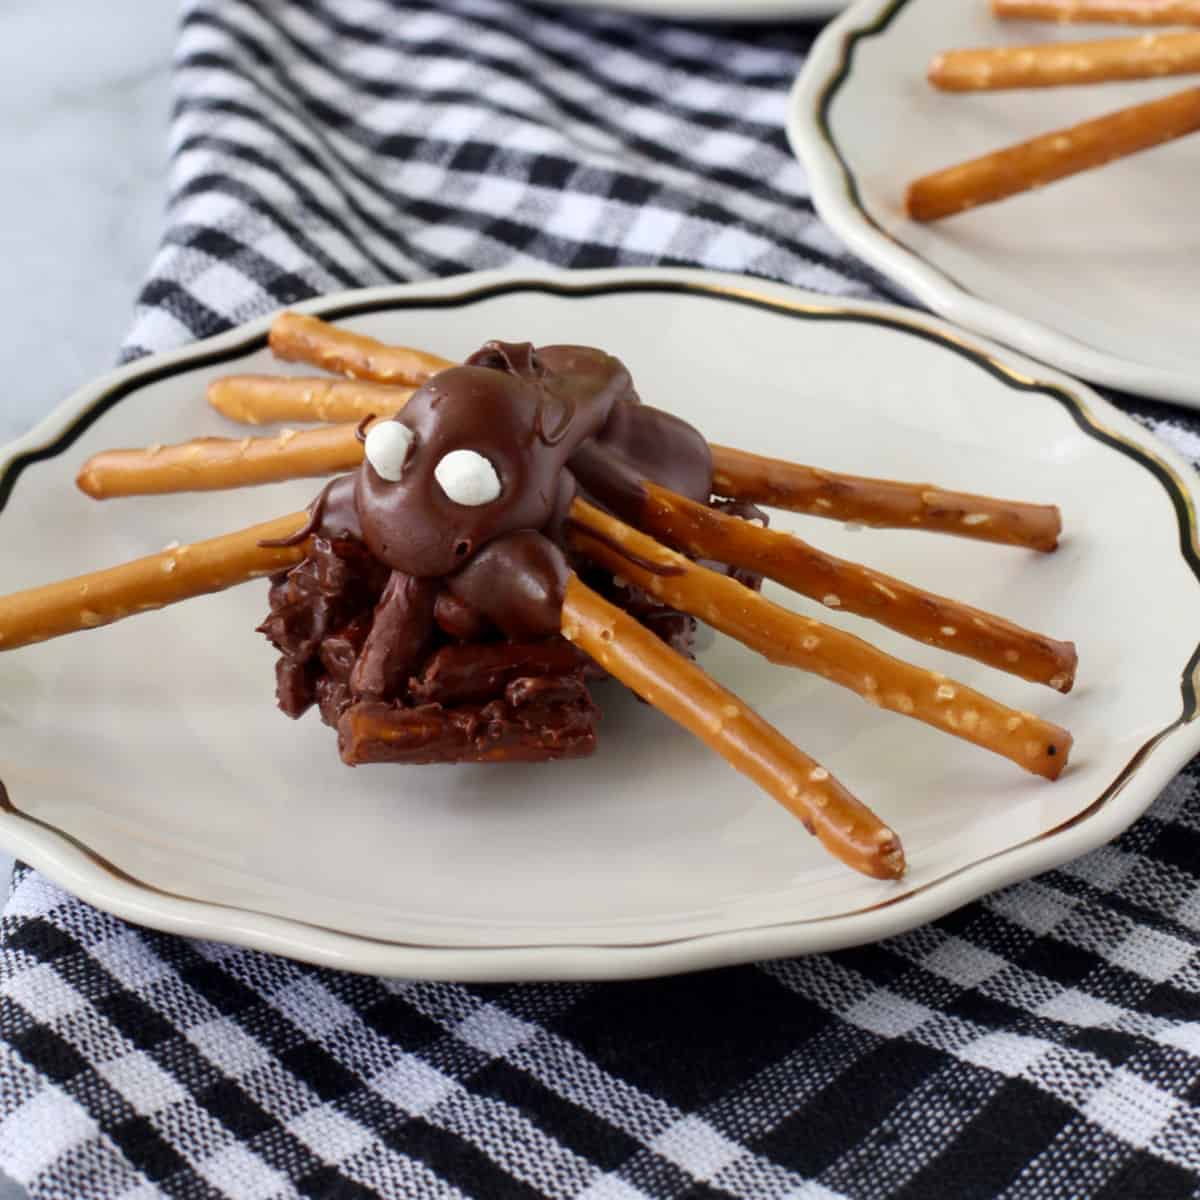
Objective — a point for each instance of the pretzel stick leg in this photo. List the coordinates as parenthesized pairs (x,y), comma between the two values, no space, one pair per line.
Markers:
(682,691)
(787,638)
(213,464)
(1053,156)
(1119,12)
(298,338)
(882,503)
(1053,64)
(935,620)
(264,399)
(147,583)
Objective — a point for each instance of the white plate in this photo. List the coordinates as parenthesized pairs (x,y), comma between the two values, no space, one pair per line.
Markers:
(149,771)
(1098,274)
(717,10)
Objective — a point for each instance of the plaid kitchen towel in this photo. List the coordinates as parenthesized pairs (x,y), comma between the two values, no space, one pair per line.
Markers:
(1044,1042)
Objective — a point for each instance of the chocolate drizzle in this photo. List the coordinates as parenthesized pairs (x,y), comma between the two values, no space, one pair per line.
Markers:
(522,361)
(316,513)
(564,424)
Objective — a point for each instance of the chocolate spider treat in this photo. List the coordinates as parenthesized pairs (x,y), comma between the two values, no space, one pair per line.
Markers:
(424,622)
(519,526)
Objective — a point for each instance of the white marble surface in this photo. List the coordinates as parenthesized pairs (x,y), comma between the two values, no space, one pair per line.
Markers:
(84,107)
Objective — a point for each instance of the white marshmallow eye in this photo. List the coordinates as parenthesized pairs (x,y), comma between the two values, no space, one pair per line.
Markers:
(468,478)
(387,447)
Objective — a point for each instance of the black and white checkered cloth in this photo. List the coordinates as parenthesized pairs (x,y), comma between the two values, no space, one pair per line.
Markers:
(1042,1043)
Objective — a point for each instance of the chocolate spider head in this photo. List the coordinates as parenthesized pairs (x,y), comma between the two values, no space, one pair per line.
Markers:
(476,453)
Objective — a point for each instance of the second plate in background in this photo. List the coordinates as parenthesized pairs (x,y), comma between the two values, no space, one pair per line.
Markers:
(1098,275)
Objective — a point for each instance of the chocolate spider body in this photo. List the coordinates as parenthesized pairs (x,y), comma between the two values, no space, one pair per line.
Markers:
(475,559)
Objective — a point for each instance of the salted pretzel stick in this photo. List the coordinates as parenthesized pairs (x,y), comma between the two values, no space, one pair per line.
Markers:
(882,503)
(147,583)
(787,638)
(1053,156)
(212,464)
(265,399)
(936,620)
(682,691)
(298,338)
(1119,12)
(1053,64)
